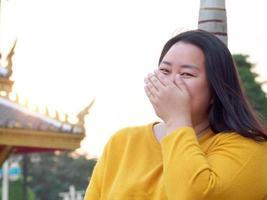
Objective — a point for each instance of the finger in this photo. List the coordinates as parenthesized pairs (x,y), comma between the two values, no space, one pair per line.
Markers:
(161,77)
(164,79)
(146,80)
(150,87)
(156,82)
(180,83)
(149,94)
(150,75)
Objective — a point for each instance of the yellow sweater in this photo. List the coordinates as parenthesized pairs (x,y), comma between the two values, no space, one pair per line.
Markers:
(224,166)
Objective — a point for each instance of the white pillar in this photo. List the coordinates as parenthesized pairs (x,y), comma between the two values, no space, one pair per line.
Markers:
(212,18)
(5,181)
(72,192)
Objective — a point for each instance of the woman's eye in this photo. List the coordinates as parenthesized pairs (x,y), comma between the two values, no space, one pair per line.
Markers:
(186,75)
(164,71)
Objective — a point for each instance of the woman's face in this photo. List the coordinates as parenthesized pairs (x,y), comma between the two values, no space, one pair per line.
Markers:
(188,60)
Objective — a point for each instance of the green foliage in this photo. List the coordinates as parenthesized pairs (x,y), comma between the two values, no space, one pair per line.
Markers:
(253,89)
(16,193)
(53,174)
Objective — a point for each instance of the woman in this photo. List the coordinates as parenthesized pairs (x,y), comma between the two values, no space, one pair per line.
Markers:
(209,145)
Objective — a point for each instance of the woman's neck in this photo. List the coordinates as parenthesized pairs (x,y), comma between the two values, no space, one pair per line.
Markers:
(201,127)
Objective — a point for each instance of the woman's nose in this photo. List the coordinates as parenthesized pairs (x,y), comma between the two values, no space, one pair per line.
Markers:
(172,77)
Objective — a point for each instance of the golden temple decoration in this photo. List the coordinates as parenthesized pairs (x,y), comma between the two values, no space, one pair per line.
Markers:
(85,111)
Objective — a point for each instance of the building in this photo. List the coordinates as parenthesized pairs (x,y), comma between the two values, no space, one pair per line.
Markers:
(23,130)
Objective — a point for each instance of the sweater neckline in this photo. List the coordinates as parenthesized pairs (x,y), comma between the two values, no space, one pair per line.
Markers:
(152,137)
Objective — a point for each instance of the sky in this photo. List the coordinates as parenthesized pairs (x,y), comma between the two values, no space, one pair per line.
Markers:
(71,51)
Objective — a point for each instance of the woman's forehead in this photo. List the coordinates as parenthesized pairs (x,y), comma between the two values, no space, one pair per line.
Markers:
(184,54)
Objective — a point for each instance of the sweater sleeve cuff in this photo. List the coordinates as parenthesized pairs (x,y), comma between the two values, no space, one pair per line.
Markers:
(179,131)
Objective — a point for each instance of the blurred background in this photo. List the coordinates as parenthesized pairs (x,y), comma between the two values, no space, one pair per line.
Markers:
(71,52)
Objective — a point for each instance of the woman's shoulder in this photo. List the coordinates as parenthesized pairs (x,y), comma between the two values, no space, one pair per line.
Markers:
(235,136)
(236,140)
(131,133)
(131,137)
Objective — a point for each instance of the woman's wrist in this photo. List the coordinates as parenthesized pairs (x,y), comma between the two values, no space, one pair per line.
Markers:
(173,124)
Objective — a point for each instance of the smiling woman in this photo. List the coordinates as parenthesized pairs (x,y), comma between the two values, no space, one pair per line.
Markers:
(208,145)
(189,70)
(60,44)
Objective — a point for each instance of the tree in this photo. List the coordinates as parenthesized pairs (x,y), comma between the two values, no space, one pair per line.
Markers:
(15,191)
(253,89)
(52,174)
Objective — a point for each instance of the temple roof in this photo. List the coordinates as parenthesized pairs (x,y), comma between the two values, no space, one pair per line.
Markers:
(23,130)
(14,115)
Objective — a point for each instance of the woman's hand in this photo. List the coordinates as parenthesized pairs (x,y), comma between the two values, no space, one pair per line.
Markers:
(170,100)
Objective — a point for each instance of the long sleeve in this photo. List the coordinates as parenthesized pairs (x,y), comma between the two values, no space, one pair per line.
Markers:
(93,191)
(191,174)
(218,166)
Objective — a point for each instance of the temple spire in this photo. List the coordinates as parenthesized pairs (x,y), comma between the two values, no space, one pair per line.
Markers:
(7,49)
(212,18)
(81,115)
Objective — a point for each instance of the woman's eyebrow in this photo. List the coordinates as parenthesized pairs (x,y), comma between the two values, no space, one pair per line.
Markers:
(190,66)
(166,63)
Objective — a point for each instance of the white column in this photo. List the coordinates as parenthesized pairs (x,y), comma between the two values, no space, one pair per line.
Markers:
(5,181)
(72,192)
(212,18)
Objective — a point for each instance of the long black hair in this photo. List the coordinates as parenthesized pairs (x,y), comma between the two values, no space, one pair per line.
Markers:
(230,110)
